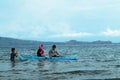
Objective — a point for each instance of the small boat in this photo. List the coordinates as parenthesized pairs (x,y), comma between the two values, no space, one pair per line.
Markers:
(33,57)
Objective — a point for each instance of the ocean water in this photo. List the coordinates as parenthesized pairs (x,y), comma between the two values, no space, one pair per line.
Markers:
(95,62)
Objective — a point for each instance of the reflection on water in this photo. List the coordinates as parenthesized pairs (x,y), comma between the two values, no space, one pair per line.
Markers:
(41,64)
(12,64)
(95,62)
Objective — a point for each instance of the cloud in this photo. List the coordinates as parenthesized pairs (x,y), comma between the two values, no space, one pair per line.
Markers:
(39,19)
(111,33)
(80,34)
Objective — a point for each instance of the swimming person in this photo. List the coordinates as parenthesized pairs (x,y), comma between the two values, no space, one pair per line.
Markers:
(13,54)
(40,51)
(53,52)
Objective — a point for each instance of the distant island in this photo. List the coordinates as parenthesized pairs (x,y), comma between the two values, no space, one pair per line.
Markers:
(94,42)
(11,42)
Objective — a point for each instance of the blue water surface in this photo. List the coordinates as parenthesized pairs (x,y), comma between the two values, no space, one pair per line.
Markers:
(95,62)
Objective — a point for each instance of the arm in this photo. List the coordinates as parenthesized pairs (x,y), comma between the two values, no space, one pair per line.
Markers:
(57,54)
(50,53)
(39,52)
(16,54)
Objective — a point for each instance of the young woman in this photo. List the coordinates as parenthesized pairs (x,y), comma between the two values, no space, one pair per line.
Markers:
(40,51)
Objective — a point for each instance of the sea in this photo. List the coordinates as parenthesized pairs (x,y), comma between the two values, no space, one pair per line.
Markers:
(94,62)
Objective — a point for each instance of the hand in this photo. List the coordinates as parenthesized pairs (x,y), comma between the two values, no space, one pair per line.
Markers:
(57,54)
(16,53)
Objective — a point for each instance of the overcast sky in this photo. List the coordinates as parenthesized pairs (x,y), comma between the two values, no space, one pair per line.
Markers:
(60,20)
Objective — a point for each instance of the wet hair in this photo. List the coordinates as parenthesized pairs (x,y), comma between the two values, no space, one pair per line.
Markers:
(12,49)
(54,46)
(42,45)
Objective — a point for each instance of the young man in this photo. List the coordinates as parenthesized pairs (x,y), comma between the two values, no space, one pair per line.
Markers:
(53,52)
(13,54)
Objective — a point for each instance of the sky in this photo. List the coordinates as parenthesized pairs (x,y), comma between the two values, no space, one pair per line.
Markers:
(60,20)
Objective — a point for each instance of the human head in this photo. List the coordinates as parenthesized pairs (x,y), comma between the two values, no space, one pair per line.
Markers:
(12,49)
(41,46)
(53,47)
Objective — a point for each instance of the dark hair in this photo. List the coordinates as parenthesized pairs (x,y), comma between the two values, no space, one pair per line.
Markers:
(54,46)
(12,49)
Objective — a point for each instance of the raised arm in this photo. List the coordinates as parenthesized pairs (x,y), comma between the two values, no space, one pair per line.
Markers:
(16,54)
(50,55)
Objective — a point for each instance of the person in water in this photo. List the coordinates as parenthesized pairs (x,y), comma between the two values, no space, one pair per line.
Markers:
(13,54)
(40,51)
(53,52)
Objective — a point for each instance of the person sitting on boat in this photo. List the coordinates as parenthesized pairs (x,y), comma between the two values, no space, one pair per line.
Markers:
(53,52)
(13,54)
(40,51)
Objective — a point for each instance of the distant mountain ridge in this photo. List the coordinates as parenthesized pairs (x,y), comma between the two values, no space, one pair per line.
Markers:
(12,42)
(7,42)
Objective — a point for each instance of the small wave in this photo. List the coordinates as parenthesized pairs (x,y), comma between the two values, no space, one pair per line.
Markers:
(15,70)
(43,70)
(117,66)
(105,79)
(106,60)
(113,79)
(83,72)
